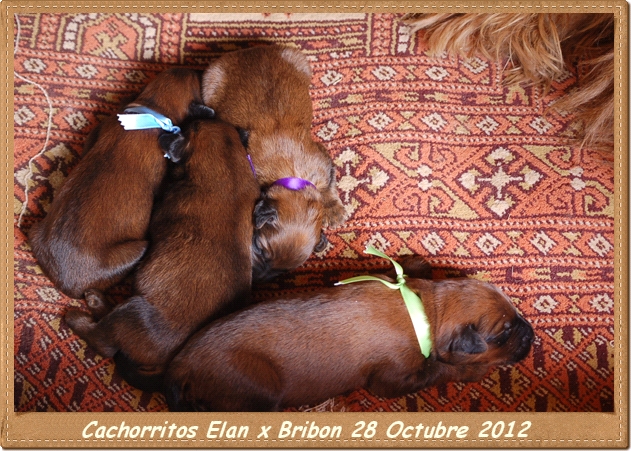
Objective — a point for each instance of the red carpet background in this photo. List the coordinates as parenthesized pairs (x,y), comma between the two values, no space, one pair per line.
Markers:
(433,156)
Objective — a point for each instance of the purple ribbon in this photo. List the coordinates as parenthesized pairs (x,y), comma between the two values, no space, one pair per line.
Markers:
(251,165)
(293,183)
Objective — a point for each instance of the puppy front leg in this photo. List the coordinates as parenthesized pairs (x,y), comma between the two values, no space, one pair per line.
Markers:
(334,212)
(393,379)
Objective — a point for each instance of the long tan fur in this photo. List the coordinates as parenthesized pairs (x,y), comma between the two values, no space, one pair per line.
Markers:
(539,48)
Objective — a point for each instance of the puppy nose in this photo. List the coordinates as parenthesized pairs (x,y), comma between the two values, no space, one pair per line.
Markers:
(527,335)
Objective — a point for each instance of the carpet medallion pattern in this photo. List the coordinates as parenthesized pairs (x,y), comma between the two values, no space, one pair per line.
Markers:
(434,157)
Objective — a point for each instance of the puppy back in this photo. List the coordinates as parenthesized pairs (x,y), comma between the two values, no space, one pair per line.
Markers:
(202,230)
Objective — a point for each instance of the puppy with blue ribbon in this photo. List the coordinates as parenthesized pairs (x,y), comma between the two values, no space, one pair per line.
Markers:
(390,335)
(199,264)
(95,230)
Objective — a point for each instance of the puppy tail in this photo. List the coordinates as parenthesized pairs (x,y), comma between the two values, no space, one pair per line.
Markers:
(135,376)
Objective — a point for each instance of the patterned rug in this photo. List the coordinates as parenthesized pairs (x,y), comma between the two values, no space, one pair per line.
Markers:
(433,156)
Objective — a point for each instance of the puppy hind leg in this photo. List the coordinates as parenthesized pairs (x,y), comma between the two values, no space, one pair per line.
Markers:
(175,397)
(84,325)
(124,324)
(251,382)
(149,378)
(121,258)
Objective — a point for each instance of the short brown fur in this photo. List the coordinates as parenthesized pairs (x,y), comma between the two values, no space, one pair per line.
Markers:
(95,230)
(264,91)
(304,349)
(199,263)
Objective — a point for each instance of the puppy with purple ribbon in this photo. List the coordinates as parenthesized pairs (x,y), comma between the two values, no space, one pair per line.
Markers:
(95,229)
(198,266)
(393,336)
(264,91)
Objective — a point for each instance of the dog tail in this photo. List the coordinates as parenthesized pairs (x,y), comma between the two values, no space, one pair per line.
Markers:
(151,381)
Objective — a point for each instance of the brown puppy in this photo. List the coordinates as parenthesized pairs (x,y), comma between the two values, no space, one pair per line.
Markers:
(199,263)
(264,91)
(307,348)
(95,230)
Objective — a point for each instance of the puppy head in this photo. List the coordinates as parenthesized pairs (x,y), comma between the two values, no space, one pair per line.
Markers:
(477,325)
(172,93)
(200,145)
(287,229)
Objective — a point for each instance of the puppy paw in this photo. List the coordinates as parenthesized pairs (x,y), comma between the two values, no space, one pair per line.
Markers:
(80,322)
(97,303)
(334,213)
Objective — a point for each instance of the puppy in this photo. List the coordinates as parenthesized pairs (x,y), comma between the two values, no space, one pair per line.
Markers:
(199,263)
(264,91)
(307,348)
(95,230)
(541,48)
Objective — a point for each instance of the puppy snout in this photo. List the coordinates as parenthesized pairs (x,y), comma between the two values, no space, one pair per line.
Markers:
(526,336)
(263,271)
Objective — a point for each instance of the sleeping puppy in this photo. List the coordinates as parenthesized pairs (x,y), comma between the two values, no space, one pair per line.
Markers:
(264,91)
(199,263)
(95,230)
(303,349)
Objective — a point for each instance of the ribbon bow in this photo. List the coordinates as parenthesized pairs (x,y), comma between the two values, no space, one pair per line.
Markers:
(412,301)
(142,117)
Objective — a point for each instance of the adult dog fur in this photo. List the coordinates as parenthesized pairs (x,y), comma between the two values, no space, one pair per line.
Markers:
(306,348)
(198,265)
(541,48)
(95,230)
(264,91)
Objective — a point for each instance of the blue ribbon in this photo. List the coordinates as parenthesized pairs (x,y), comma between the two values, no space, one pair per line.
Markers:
(141,117)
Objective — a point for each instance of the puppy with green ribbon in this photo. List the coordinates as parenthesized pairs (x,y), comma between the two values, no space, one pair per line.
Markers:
(303,348)
(412,301)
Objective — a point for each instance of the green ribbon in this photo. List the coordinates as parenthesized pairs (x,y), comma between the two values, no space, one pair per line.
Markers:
(412,301)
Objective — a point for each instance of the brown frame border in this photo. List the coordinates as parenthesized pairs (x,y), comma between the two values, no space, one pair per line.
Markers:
(549,430)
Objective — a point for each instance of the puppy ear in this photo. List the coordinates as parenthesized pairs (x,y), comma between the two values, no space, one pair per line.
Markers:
(200,111)
(173,145)
(417,267)
(265,212)
(468,341)
(244,136)
(322,243)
